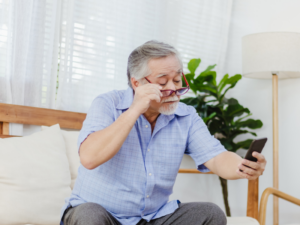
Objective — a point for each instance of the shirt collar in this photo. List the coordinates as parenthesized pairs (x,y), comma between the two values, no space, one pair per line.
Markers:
(126,101)
(182,110)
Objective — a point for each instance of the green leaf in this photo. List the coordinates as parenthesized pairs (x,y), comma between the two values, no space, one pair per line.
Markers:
(208,77)
(207,89)
(223,82)
(236,110)
(190,101)
(193,65)
(251,123)
(240,119)
(209,68)
(209,117)
(231,101)
(244,144)
(235,133)
(232,81)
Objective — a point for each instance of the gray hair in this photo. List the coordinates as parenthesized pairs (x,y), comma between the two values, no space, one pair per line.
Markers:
(138,59)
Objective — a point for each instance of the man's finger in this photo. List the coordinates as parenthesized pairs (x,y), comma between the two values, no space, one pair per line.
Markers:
(260,157)
(253,165)
(155,97)
(158,92)
(247,170)
(156,89)
(244,175)
(153,90)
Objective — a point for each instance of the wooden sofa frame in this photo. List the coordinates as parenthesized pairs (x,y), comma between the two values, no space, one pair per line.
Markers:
(46,117)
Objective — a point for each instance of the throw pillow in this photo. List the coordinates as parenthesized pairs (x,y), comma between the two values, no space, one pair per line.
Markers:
(71,138)
(34,178)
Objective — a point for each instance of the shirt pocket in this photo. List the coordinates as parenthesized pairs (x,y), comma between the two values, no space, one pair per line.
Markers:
(168,158)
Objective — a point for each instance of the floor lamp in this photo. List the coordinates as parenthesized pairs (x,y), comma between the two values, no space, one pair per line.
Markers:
(272,55)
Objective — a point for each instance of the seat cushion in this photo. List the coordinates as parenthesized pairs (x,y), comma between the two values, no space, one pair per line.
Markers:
(34,178)
(241,221)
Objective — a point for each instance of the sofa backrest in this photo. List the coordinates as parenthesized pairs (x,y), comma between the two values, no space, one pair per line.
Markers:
(39,116)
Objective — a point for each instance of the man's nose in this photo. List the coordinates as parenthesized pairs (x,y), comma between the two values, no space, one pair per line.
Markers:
(171,85)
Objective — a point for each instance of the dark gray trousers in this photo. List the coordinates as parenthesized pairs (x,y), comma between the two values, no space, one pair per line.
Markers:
(194,213)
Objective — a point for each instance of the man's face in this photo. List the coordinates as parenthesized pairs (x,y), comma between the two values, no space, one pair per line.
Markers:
(167,73)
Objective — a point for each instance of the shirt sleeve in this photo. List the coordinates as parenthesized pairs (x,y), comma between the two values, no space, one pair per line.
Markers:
(100,115)
(201,145)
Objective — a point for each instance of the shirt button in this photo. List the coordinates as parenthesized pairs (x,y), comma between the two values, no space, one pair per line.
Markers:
(148,150)
(147,196)
(150,174)
(146,126)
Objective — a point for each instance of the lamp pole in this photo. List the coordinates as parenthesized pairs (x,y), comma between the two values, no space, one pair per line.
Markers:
(275,145)
(276,55)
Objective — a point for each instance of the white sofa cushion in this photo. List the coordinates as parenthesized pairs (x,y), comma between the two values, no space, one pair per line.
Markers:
(246,221)
(71,138)
(241,221)
(34,178)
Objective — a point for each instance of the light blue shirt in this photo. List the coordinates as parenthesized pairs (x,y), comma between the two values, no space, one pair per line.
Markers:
(137,182)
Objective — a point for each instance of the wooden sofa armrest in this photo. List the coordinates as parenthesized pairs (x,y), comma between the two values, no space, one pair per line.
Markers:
(264,201)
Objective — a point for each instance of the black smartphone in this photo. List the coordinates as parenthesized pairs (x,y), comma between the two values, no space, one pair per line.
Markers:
(257,145)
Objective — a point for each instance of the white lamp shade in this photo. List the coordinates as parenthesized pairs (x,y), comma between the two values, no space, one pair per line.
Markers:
(267,53)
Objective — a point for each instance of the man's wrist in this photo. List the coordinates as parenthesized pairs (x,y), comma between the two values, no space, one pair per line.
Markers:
(133,112)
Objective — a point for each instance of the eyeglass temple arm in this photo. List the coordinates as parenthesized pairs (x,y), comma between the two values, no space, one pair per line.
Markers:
(148,80)
(187,83)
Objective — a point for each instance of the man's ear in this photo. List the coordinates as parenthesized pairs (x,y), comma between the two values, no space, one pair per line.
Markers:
(134,83)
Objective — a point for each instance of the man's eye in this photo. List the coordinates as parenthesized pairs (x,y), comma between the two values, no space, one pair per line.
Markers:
(163,84)
(177,81)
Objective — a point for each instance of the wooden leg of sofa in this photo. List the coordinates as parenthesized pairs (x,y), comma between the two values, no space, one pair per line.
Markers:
(252,202)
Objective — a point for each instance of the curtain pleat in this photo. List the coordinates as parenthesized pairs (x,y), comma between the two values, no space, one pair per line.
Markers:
(28,50)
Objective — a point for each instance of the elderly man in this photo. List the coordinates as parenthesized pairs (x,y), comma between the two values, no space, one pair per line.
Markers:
(131,146)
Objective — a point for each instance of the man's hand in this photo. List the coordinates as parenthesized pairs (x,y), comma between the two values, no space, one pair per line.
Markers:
(144,95)
(254,169)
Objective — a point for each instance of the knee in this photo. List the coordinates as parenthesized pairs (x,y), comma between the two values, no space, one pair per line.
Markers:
(212,213)
(216,215)
(90,213)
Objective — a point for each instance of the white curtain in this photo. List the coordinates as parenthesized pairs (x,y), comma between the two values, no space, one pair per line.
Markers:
(28,50)
(98,36)
(89,42)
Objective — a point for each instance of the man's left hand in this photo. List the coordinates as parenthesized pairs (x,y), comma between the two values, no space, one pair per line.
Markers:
(254,169)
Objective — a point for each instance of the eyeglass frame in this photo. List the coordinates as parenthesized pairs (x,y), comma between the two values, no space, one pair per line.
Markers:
(172,91)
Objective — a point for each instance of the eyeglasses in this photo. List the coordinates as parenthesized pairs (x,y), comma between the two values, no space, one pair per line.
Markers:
(180,91)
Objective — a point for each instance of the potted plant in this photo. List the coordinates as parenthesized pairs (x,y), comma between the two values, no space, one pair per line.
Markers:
(225,118)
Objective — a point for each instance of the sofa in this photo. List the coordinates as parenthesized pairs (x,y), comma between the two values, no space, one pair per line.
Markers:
(37,172)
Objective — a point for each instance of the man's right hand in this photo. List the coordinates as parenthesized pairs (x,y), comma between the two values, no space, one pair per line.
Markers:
(144,95)
(102,145)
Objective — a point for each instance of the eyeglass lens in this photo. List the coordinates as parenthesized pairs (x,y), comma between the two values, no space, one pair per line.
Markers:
(177,92)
